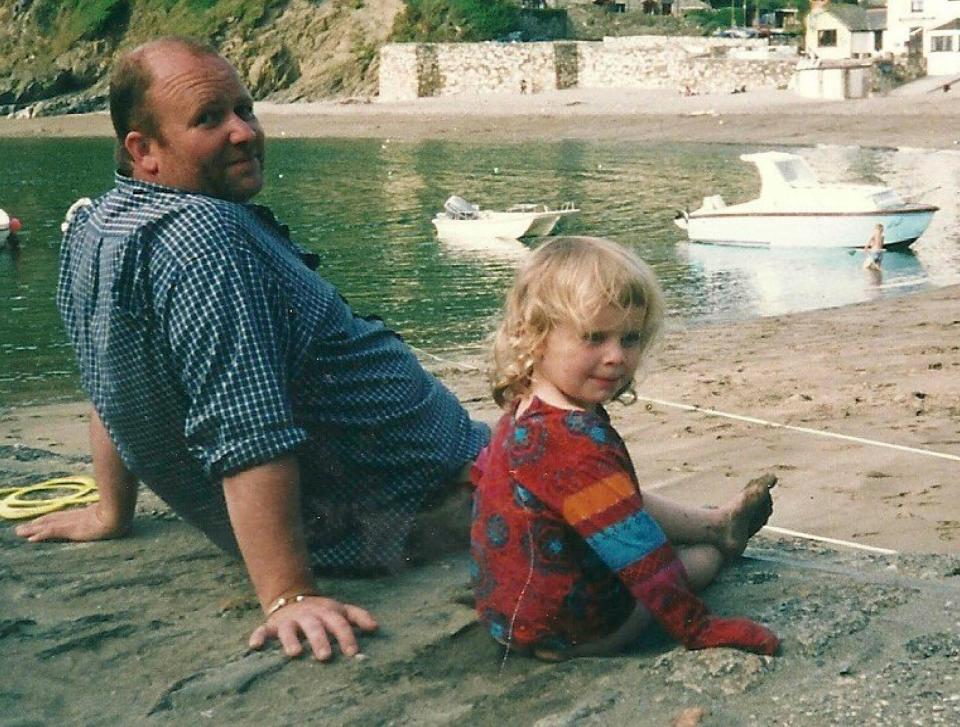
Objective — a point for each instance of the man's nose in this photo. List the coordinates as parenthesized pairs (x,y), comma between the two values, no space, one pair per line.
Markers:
(243,131)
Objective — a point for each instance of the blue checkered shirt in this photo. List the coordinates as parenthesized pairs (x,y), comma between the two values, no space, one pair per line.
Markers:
(208,346)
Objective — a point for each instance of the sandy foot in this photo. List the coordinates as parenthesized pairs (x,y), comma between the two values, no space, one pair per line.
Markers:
(747,515)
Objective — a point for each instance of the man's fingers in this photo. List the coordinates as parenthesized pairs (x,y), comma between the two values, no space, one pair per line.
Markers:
(37,532)
(360,618)
(289,634)
(259,637)
(320,627)
(317,638)
(338,625)
(31,528)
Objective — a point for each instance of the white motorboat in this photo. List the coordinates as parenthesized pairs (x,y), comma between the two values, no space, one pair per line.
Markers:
(796,210)
(462,220)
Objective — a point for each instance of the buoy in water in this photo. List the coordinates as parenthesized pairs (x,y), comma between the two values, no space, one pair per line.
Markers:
(15,225)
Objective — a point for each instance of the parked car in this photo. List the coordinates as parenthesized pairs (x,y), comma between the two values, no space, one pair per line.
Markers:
(736,32)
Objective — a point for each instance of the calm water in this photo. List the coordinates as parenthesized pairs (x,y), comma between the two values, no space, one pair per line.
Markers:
(366,207)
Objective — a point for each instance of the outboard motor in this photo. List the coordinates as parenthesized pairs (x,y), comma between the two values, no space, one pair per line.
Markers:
(459,209)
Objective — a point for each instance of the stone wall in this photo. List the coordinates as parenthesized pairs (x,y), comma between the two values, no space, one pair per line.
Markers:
(409,70)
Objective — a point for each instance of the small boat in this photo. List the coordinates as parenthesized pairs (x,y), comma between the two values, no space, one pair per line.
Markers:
(466,221)
(795,210)
(8,224)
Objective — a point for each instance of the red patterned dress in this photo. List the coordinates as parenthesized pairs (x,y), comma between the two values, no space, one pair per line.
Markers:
(562,546)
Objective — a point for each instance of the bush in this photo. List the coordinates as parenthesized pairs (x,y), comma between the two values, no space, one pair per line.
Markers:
(455,20)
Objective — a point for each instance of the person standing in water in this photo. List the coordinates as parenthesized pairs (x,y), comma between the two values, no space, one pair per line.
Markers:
(874,249)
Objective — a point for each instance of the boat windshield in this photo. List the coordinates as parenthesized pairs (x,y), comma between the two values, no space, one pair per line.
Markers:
(887,198)
(795,172)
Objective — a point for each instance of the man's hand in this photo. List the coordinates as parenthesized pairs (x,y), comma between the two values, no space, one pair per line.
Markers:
(111,517)
(316,619)
(83,524)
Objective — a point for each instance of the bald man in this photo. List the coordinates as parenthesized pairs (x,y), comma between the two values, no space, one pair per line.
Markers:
(230,378)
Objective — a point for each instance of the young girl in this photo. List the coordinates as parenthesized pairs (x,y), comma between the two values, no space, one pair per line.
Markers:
(569,558)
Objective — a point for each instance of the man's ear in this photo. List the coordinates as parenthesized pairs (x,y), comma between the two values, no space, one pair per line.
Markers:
(140,148)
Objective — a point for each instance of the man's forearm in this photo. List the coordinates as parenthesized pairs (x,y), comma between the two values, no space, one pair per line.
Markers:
(117,486)
(264,507)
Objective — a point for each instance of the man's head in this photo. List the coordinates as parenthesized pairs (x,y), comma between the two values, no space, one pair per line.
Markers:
(184,119)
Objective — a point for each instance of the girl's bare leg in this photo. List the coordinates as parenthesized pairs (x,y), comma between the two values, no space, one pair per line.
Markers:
(727,528)
(702,563)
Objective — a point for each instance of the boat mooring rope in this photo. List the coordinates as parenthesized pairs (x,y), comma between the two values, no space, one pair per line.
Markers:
(804,430)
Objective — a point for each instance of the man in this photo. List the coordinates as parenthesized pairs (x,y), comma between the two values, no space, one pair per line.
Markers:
(226,375)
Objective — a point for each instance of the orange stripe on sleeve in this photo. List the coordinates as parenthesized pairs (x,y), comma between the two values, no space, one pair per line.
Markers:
(597,497)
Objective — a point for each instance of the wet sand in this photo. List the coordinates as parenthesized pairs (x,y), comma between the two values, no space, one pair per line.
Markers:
(855,409)
(759,116)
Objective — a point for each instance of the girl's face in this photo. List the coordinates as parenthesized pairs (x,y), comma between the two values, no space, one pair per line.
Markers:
(579,369)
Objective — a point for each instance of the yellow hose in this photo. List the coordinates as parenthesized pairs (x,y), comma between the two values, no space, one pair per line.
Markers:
(14,505)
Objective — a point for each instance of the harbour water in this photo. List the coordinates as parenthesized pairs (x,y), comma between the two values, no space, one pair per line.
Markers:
(365,206)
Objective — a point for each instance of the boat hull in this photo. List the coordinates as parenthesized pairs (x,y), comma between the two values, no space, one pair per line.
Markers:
(902,227)
(493,225)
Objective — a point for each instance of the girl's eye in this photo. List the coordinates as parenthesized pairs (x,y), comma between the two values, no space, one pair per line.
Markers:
(595,338)
(631,339)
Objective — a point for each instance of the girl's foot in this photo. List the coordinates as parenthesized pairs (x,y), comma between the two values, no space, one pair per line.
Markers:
(747,515)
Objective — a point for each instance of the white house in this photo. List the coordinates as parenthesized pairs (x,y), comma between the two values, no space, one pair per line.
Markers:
(909,21)
(942,49)
(844,31)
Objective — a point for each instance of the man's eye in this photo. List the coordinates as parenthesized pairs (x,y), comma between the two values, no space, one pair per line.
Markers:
(208,118)
(245,112)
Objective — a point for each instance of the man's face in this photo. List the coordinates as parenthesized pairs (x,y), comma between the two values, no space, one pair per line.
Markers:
(208,139)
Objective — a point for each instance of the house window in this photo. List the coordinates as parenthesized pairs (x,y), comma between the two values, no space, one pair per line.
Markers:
(941,44)
(878,40)
(916,6)
(827,38)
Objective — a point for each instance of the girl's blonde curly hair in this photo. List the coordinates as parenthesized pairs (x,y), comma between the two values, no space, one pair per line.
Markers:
(568,280)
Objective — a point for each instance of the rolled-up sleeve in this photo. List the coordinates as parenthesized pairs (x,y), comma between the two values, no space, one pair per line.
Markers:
(228,335)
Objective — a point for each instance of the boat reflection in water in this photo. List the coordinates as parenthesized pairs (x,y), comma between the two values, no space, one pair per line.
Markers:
(784,280)
(486,249)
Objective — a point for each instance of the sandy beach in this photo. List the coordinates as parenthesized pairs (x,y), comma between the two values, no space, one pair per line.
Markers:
(760,116)
(855,410)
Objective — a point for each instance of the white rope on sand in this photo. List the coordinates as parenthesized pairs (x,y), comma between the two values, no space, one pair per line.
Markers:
(805,430)
(831,541)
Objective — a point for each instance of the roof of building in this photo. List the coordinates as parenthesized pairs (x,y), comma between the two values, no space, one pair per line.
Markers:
(855,18)
(952,25)
(692,5)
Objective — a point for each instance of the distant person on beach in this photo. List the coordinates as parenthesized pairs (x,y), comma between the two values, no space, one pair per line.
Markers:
(230,378)
(873,250)
(570,558)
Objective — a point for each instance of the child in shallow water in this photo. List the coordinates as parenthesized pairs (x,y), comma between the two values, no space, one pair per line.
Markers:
(570,559)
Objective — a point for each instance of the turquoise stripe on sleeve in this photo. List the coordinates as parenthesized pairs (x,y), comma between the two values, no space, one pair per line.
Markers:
(627,541)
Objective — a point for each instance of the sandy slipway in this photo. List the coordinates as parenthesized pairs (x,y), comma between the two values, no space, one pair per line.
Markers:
(152,629)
